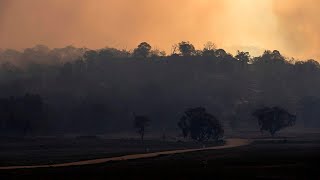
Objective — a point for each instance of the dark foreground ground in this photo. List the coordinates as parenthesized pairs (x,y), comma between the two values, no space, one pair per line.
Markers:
(294,158)
(39,151)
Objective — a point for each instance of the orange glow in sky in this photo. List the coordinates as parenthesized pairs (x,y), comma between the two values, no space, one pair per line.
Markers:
(251,25)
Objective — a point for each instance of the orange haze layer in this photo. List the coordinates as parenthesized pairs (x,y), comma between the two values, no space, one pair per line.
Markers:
(287,25)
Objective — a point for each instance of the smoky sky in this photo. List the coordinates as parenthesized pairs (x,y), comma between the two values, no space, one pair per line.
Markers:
(287,25)
(299,24)
(97,23)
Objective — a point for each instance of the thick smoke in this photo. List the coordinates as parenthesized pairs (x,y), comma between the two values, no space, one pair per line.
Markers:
(288,25)
(299,24)
(99,23)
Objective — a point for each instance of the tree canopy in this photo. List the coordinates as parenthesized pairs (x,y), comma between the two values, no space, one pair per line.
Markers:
(143,50)
(200,125)
(274,119)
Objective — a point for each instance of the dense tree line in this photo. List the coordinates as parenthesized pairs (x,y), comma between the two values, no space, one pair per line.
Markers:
(97,91)
(23,115)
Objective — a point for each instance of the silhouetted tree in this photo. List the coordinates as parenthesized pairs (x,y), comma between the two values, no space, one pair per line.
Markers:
(66,54)
(200,125)
(309,66)
(157,53)
(270,57)
(141,124)
(186,48)
(209,49)
(174,50)
(90,55)
(243,57)
(221,53)
(209,46)
(143,50)
(109,52)
(274,119)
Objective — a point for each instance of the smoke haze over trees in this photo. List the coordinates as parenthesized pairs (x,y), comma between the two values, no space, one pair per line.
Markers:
(97,91)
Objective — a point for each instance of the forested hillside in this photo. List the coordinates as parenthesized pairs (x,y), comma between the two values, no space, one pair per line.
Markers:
(97,91)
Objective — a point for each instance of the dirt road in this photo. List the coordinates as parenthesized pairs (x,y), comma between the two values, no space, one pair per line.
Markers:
(230,143)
